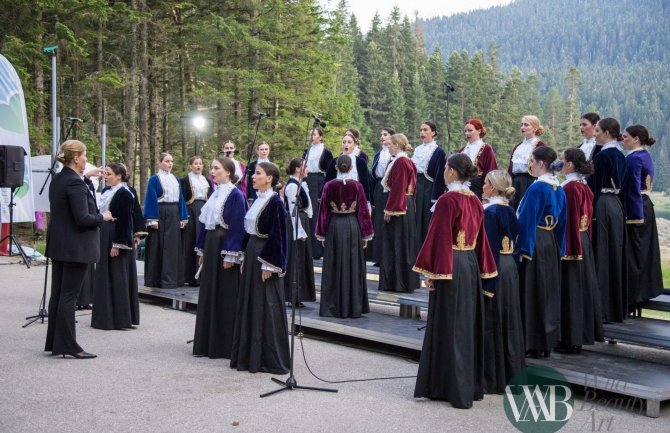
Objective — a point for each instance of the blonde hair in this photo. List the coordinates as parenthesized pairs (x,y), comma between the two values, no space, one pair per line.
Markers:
(69,150)
(401,141)
(535,123)
(501,181)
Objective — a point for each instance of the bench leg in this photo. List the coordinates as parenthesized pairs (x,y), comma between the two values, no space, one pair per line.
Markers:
(410,312)
(653,408)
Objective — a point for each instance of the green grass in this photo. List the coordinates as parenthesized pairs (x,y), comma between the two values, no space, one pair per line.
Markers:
(666,277)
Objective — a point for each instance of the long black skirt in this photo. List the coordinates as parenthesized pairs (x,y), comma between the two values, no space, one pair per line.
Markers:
(344,291)
(424,191)
(643,258)
(399,250)
(217,300)
(116,303)
(85,298)
(581,311)
(452,363)
(305,264)
(540,293)
(609,241)
(504,350)
(520,182)
(315,183)
(477,186)
(188,237)
(373,252)
(260,336)
(164,258)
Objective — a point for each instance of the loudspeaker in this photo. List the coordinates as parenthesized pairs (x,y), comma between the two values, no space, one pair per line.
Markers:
(12,166)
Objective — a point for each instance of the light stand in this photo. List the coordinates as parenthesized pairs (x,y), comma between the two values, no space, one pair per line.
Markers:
(448,88)
(291,383)
(42,310)
(11,236)
(250,149)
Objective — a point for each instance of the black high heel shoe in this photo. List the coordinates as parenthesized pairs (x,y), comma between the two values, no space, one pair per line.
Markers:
(81,355)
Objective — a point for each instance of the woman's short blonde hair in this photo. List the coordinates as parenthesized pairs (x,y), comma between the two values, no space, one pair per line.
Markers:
(69,150)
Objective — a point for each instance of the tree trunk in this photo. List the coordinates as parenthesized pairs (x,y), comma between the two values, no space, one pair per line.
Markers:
(131,98)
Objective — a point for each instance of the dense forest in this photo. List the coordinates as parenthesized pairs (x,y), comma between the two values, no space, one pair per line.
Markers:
(145,67)
(618,47)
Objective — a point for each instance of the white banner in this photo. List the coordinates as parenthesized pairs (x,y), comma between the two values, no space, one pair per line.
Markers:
(14,132)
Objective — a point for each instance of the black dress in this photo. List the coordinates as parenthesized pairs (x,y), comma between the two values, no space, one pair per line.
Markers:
(344,223)
(221,234)
(190,233)
(373,252)
(300,250)
(164,260)
(260,337)
(115,299)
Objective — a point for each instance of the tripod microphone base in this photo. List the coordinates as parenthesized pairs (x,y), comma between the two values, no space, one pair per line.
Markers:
(42,314)
(290,384)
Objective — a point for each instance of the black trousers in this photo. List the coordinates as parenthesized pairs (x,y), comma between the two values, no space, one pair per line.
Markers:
(66,281)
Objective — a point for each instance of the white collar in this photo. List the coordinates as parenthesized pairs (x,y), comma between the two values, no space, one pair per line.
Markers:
(530,141)
(259,160)
(635,150)
(265,194)
(612,144)
(346,176)
(574,176)
(458,186)
(163,172)
(549,178)
(496,199)
(478,142)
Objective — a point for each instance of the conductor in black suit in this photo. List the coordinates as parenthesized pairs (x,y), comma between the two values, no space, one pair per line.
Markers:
(72,244)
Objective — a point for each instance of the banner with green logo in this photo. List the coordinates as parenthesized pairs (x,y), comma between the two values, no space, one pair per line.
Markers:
(14,132)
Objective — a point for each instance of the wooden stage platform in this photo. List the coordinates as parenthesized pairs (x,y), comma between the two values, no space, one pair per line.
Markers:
(592,369)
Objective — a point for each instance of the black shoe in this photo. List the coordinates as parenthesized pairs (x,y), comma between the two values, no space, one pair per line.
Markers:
(81,355)
(532,354)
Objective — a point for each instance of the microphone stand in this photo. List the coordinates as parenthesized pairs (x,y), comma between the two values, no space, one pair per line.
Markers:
(448,88)
(42,309)
(250,150)
(290,384)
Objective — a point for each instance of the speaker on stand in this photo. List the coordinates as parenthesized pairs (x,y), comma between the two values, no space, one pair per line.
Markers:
(12,167)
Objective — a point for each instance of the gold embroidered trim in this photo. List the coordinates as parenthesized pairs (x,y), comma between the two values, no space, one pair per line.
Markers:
(488,294)
(431,275)
(574,257)
(259,234)
(272,267)
(527,257)
(583,223)
(392,213)
(489,275)
(647,182)
(634,221)
(343,208)
(506,245)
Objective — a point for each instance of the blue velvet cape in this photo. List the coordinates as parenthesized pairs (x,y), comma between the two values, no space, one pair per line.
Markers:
(233,219)
(544,205)
(154,192)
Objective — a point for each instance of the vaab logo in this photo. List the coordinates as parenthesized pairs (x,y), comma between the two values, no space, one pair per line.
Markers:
(538,399)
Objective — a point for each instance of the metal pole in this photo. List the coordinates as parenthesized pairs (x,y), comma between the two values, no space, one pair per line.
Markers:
(54,118)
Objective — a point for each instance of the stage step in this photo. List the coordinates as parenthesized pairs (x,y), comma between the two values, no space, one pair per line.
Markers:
(642,330)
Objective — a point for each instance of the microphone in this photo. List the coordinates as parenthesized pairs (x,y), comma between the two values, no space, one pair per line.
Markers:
(318,121)
(75,119)
(448,87)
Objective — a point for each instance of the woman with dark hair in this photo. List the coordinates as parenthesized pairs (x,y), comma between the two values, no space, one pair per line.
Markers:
(454,258)
(518,168)
(399,240)
(429,160)
(357,151)
(221,235)
(263,153)
(344,227)
(228,150)
(116,302)
(504,353)
(482,154)
(318,159)
(73,243)
(260,337)
(165,214)
(609,228)
(643,257)
(541,244)
(581,317)
(379,163)
(587,126)
(196,189)
(300,247)
(359,168)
